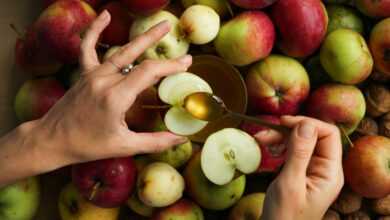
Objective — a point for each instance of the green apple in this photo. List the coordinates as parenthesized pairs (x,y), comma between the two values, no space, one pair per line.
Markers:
(220,6)
(172,45)
(20,201)
(248,207)
(341,16)
(182,209)
(110,52)
(176,156)
(72,206)
(159,185)
(207,194)
(200,24)
(137,206)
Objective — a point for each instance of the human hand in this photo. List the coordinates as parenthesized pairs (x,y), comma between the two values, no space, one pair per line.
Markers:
(88,123)
(312,176)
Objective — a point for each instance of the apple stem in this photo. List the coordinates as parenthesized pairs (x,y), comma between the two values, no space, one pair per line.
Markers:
(344,133)
(94,190)
(16,30)
(230,9)
(156,106)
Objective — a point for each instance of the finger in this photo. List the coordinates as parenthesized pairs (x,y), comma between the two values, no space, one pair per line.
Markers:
(150,72)
(131,51)
(269,137)
(154,142)
(88,57)
(329,141)
(300,148)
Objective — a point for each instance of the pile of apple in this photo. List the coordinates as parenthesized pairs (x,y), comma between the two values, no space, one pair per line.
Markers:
(325,59)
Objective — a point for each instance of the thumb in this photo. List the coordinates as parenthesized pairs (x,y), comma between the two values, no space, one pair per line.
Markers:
(300,148)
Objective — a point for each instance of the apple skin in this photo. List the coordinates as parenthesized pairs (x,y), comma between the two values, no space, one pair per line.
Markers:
(248,207)
(20,201)
(117,178)
(59,28)
(137,206)
(31,58)
(374,8)
(117,32)
(346,57)
(341,16)
(36,97)
(171,46)
(93,3)
(72,206)
(145,7)
(182,209)
(272,157)
(299,36)
(247,38)
(220,6)
(343,105)
(380,46)
(277,85)
(253,4)
(207,194)
(366,166)
(176,156)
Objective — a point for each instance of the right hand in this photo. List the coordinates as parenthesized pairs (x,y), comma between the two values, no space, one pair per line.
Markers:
(312,176)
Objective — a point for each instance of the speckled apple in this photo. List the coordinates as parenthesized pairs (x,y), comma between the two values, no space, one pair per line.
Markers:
(182,209)
(374,8)
(248,207)
(176,156)
(380,46)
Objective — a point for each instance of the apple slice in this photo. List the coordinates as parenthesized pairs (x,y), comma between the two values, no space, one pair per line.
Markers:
(173,90)
(226,151)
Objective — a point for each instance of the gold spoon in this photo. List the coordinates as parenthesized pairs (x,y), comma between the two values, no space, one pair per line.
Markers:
(208,107)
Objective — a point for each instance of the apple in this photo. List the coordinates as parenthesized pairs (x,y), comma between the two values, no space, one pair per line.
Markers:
(106,183)
(366,166)
(35,97)
(380,46)
(374,8)
(343,105)
(228,151)
(247,38)
(173,90)
(220,6)
(31,58)
(94,3)
(277,85)
(248,207)
(207,194)
(331,215)
(272,156)
(137,206)
(182,209)
(341,16)
(345,57)
(145,7)
(117,32)
(111,51)
(172,45)
(159,185)
(253,4)
(176,156)
(200,24)
(73,206)
(60,26)
(20,201)
(300,36)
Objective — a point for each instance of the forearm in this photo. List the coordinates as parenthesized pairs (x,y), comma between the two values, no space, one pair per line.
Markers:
(24,152)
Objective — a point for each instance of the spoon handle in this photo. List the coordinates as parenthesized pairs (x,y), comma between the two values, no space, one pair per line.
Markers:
(280,128)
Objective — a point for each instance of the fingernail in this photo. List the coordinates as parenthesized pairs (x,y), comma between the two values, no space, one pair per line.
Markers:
(306,130)
(104,15)
(165,24)
(186,59)
(182,140)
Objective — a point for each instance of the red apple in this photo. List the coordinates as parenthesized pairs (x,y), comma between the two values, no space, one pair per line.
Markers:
(380,46)
(117,32)
(366,166)
(36,97)
(33,59)
(60,27)
(374,8)
(302,26)
(273,156)
(106,183)
(277,85)
(145,7)
(94,3)
(253,4)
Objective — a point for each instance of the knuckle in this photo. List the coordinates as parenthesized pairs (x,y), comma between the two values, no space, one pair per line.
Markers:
(95,85)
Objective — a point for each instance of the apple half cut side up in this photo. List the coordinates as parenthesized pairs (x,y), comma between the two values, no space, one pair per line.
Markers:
(173,90)
(229,151)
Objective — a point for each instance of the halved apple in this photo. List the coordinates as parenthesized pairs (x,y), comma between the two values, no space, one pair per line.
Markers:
(229,151)
(173,90)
